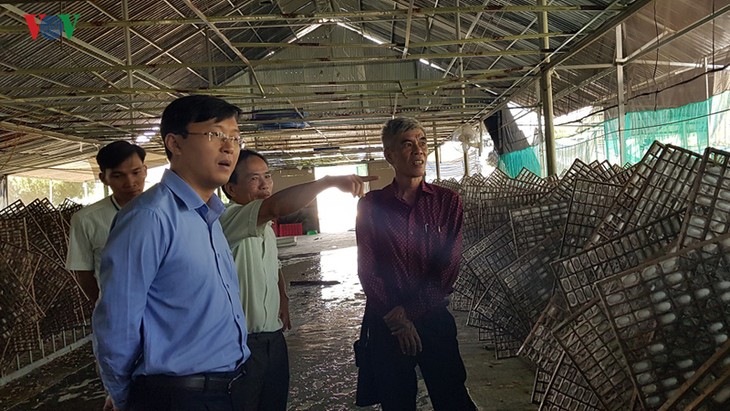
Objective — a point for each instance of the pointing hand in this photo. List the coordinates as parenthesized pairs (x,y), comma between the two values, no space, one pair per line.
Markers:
(352,184)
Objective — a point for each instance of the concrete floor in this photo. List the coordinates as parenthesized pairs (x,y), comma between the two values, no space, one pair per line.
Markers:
(325,323)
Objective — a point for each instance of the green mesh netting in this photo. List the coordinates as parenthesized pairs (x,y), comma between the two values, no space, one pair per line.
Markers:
(693,126)
(512,163)
(685,126)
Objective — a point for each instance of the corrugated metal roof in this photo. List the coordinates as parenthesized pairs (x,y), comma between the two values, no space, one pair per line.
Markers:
(346,66)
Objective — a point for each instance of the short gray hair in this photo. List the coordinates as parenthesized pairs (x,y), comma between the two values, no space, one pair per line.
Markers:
(397,126)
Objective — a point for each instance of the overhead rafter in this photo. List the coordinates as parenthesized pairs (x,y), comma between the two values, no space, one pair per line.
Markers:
(338,70)
(554,59)
(227,42)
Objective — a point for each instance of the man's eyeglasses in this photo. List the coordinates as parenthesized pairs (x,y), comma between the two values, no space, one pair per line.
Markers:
(221,136)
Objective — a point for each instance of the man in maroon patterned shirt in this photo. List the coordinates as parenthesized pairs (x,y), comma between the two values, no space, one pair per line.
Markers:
(409,246)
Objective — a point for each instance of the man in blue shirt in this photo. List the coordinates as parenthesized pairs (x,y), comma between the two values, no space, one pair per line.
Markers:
(169,331)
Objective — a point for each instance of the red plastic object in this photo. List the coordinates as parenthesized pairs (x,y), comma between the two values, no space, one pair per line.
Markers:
(290,229)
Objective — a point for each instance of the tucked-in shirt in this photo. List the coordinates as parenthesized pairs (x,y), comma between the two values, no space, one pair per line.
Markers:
(169,293)
(408,255)
(257,261)
(89,231)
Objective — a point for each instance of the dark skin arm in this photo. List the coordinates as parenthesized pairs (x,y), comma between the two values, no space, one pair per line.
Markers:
(88,285)
(297,197)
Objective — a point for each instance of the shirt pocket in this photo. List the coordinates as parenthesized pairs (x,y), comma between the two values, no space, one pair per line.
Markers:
(437,237)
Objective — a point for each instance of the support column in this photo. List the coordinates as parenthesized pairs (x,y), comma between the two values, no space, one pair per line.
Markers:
(3,191)
(620,95)
(541,136)
(466,163)
(461,77)
(708,103)
(130,76)
(546,95)
(436,152)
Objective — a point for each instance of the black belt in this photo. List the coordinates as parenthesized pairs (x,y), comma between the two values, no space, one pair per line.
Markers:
(264,334)
(210,382)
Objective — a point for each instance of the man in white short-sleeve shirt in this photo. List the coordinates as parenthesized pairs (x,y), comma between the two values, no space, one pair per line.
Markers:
(123,170)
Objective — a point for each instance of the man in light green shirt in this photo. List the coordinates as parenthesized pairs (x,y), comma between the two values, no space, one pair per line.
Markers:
(247,226)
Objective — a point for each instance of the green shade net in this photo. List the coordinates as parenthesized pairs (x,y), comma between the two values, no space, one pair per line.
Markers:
(685,126)
(512,163)
(694,126)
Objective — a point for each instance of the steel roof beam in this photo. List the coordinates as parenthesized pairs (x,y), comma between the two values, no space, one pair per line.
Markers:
(421,12)
(662,39)
(226,41)
(555,59)
(265,63)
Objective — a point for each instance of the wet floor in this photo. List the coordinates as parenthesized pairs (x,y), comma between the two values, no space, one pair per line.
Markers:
(325,322)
